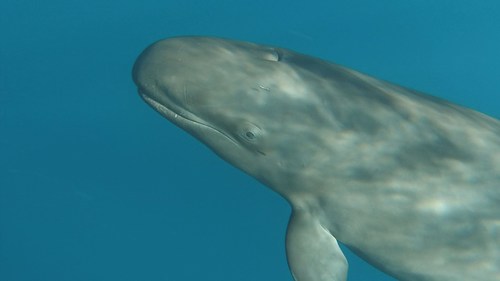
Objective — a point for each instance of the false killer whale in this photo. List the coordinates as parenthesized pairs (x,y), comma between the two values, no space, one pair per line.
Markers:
(409,182)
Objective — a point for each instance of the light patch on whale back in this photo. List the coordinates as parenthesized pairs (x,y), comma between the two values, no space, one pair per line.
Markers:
(288,82)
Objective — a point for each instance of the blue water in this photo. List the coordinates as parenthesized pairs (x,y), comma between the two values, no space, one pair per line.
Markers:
(94,185)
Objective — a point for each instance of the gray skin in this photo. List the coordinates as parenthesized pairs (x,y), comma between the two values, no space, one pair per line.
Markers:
(409,182)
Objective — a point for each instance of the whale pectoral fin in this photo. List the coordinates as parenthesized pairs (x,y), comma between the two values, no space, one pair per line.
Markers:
(313,253)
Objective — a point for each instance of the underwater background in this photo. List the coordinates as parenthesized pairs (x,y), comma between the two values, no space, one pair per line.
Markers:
(95,185)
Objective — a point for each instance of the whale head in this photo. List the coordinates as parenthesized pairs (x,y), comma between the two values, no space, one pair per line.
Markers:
(240,99)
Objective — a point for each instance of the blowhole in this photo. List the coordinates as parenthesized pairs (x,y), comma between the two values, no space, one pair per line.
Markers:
(273,55)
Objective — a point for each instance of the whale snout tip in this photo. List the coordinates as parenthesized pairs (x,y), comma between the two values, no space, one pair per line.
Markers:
(159,59)
(150,66)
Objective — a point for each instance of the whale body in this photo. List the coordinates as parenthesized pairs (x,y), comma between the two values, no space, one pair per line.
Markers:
(409,182)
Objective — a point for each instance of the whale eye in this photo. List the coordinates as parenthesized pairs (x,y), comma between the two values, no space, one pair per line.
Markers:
(250,135)
(249,132)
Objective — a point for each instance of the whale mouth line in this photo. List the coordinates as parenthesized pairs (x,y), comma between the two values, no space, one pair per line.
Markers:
(180,119)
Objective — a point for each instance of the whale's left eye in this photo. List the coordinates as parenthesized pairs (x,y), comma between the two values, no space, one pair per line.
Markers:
(249,132)
(250,135)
